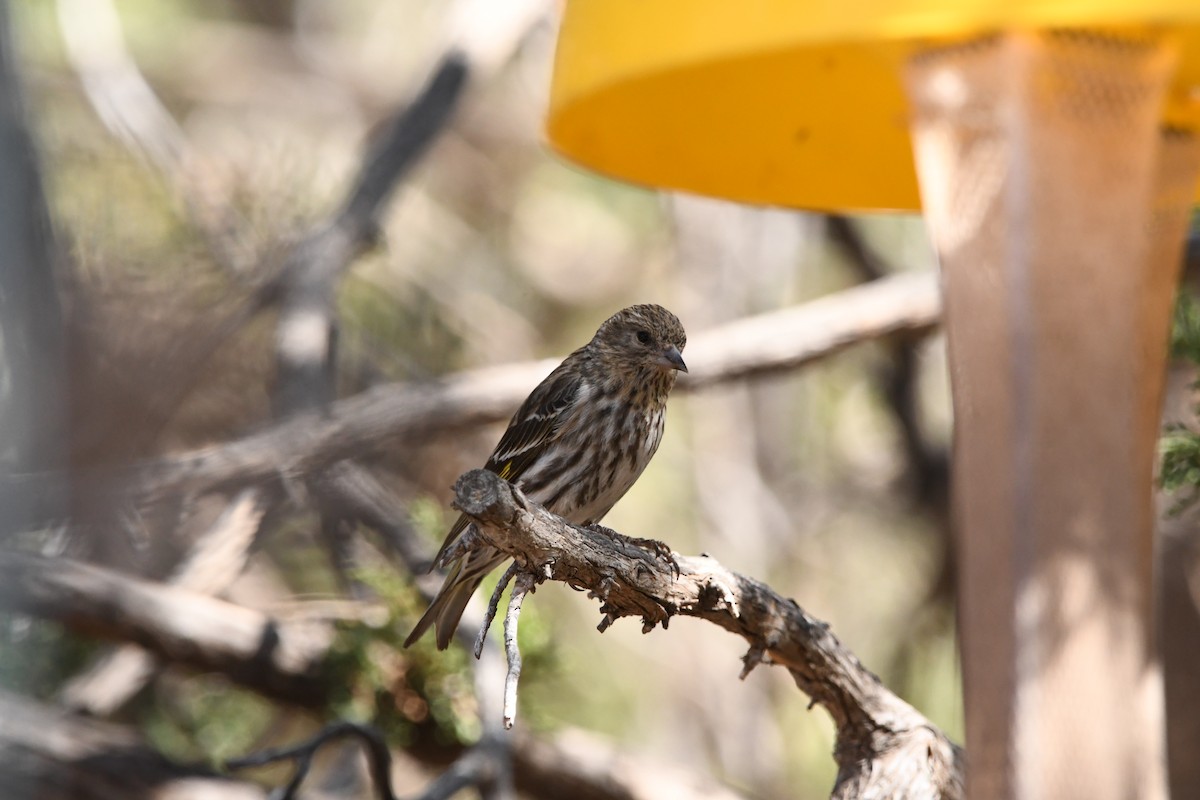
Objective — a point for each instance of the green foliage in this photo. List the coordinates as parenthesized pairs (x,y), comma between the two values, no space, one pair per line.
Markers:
(401,691)
(37,656)
(1185,329)
(1180,445)
(205,718)
(410,695)
(1180,449)
(430,517)
(394,331)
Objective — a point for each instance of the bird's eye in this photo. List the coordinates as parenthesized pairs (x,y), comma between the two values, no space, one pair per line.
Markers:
(643,337)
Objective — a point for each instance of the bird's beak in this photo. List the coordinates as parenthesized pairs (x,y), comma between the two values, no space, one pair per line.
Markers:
(673,359)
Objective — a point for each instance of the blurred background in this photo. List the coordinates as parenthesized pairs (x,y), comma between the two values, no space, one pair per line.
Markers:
(187,147)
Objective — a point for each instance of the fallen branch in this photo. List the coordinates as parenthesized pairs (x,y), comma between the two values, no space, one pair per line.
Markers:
(885,747)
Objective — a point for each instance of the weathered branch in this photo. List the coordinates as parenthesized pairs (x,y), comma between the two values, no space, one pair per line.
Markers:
(199,631)
(521,587)
(292,449)
(280,659)
(764,345)
(775,342)
(884,746)
(211,634)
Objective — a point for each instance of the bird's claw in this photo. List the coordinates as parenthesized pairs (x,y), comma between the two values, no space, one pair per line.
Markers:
(660,550)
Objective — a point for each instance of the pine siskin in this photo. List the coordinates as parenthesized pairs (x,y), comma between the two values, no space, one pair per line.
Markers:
(578,442)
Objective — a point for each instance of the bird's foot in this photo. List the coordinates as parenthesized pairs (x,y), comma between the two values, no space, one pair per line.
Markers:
(660,550)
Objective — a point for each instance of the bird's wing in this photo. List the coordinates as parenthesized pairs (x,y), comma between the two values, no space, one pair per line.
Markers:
(532,429)
(535,425)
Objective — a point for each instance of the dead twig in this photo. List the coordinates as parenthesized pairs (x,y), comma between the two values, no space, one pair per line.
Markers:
(478,766)
(493,606)
(522,586)
(379,758)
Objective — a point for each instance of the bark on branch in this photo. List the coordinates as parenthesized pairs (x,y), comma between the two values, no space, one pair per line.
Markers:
(885,747)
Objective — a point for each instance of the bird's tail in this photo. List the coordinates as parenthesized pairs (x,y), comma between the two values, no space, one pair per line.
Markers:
(447,608)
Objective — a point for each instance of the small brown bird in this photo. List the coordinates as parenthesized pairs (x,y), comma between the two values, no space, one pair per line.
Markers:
(578,442)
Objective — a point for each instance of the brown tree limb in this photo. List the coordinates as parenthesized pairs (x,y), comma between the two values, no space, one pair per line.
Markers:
(758,346)
(778,341)
(195,630)
(870,720)
(884,748)
(279,659)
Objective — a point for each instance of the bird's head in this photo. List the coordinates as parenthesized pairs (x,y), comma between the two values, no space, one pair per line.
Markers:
(644,337)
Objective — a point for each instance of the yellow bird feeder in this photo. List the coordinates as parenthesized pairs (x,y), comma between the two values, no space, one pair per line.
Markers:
(1053,149)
